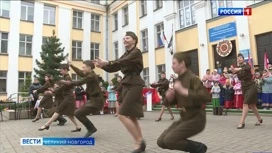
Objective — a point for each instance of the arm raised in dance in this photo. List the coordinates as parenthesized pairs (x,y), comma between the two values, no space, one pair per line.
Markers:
(43,88)
(77,70)
(90,77)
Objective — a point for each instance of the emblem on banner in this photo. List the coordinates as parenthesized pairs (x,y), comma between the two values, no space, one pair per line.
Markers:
(224,48)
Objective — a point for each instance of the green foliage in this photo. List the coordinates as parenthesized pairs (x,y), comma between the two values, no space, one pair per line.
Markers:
(114,81)
(51,56)
(25,87)
(105,84)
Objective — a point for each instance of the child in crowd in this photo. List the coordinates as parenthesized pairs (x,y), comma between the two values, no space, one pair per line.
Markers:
(215,91)
(228,94)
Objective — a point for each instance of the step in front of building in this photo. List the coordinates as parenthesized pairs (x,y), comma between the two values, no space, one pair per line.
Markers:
(209,109)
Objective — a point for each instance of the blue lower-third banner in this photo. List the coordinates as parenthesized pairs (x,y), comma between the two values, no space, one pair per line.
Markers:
(57,141)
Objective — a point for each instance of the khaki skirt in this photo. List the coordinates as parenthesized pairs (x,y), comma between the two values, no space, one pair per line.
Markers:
(132,101)
(250,93)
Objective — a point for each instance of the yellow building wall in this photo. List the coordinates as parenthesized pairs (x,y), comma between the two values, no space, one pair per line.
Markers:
(3,62)
(260,22)
(213,24)
(3,97)
(48,30)
(145,60)
(25,64)
(77,35)
(160,56)
(26,28)
(119,6)
(187,40)
(4,24)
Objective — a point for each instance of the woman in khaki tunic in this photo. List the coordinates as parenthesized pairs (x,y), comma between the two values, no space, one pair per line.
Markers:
(47,101)
(131,65)
(67,105)
(249,90)
(190,94)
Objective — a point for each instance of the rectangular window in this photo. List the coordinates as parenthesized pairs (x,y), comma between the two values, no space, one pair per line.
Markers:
(77,19)
(95,22)
(215,4)
(145,75)
(76,50)
(94,50)
(115,20)
(3,81)
(157,4)
(116,50)
(144,34)
(95,1)
(186,13)
(160,68)
(27,11)
(4,8)
(49,15)
(125,16)
(159,29)
(25,47)
(143,7)
(3,43)
(75,77)
(44,40)
(22,79)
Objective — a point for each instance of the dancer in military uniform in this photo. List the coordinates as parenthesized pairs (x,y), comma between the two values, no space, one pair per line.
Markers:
(249,90)
(190,93)
(47,101)
(163,85)
(67,105)
(131,65)
(95,99)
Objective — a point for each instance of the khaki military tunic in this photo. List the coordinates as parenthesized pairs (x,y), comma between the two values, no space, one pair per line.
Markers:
(192,116)
(131,65)
(47,100)
(249,88)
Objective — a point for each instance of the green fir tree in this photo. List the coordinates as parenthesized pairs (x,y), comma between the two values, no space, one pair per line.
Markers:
(51,58)
(25,88)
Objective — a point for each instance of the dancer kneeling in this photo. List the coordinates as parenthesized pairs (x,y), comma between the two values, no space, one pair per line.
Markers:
(67,105)
(190,94)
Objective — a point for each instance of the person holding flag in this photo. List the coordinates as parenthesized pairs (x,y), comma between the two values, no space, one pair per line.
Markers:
(248,88)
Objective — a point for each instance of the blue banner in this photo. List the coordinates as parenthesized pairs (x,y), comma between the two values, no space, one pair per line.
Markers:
(223,32)
(68,141)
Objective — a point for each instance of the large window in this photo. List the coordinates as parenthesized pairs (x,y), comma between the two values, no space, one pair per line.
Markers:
(3,81)
(144,34)
(116,49)
(76,50)
(95,22)
(215,4)
(49,15)
(75,77)
(3,42)
(160,68)
(44,40)
(145,75)
(115,21)
(186,13)
(125,16)
(143,7)
(159,29)
(94,50)
(77,19)
(25,45)
(4,8)
(22,79)
(157,4)
(27,11)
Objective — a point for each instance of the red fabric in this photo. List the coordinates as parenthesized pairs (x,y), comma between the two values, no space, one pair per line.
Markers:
(238,101)
(155,97)
(228,104)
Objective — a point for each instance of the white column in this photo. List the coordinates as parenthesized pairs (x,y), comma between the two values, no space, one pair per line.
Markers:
(169,29)
(242,28)
(151,43)
(37,37)
(132,18)
(106,43)
(64,29)
(13,47)
(203,54)
(86,36)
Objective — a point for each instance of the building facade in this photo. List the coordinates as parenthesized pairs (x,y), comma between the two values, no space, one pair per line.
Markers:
(93,28)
